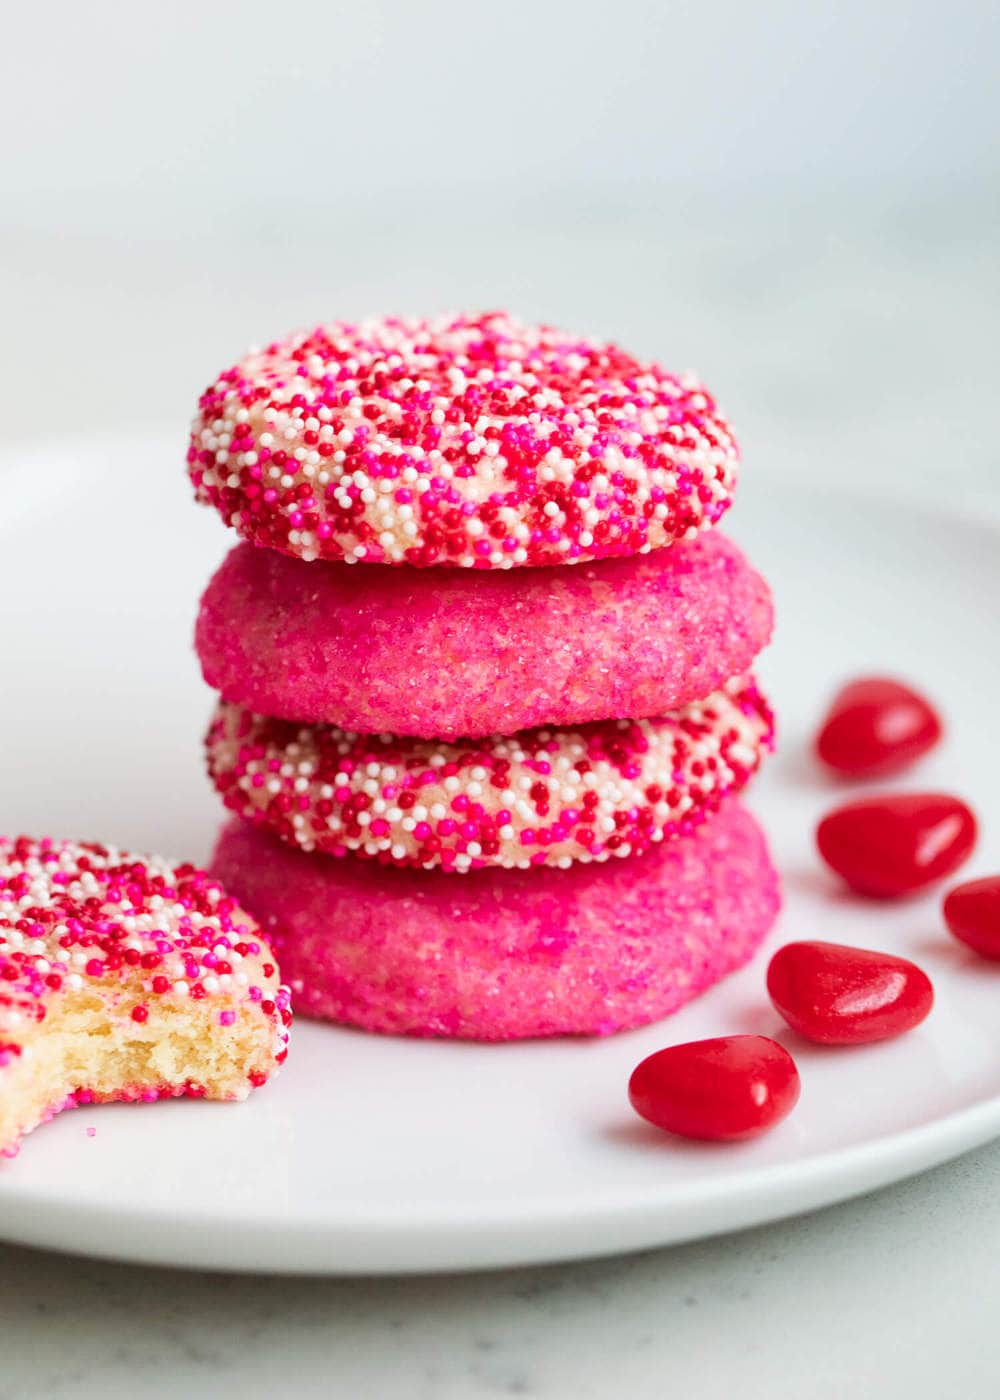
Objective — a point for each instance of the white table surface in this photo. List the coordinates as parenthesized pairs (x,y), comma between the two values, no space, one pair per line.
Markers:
(857,339)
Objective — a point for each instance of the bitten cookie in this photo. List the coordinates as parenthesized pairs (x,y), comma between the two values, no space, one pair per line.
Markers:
(448,654)
(507,954)
(476,441)
(125,978)
(541,797)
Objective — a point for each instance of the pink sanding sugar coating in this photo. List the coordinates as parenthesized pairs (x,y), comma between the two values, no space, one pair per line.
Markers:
(508,954)
(478,441)
(448,654)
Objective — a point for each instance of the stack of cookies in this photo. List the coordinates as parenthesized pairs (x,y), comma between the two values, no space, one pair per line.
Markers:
(484,677)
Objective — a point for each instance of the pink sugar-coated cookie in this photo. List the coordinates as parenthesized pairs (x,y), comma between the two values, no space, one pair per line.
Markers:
(507,954)
(447,654)
(541,797)
(476,441)
(124,978)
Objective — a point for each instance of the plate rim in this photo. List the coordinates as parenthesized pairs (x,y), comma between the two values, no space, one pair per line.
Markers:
(370,1248)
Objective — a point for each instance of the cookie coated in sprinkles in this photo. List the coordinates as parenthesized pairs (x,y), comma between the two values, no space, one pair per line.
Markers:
(78,914)
(542,797)
(475,440)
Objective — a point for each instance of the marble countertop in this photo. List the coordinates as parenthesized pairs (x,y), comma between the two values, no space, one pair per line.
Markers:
(857,340)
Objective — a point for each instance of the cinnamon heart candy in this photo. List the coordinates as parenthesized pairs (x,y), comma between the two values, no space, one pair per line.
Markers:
(838,995)
(896,844)
(972,913)
(721,1090)
(876,726)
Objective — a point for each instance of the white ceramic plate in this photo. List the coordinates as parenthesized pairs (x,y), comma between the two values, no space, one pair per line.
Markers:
(375,1155)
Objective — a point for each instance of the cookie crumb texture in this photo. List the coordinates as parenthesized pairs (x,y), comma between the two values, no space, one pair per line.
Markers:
(476,441)
(125,979)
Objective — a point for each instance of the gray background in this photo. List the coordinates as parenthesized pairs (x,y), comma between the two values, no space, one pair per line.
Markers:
(798,200)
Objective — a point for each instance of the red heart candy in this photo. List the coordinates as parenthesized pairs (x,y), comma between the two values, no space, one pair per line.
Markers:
(721,1090)
(838,995)
(893,845)
(972,913)
(876,726)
